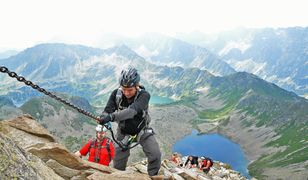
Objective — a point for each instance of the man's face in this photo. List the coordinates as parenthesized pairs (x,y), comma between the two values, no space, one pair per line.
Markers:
(100,135)
(129,92)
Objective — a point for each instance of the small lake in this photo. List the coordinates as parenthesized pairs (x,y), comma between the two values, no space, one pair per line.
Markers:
(158,100)
(216,147)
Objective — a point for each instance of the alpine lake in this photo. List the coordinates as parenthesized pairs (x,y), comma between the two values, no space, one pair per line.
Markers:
(159,100)
(216,147)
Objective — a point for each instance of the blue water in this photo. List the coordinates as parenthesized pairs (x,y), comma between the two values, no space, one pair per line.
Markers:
(160,100)
(216,147)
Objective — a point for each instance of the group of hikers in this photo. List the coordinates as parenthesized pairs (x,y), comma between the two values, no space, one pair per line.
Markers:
(128,107)
(203,163)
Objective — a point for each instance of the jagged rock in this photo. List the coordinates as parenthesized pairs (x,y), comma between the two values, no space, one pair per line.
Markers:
(64,171)
(217,178)
(27,124)
(16,163)
(188,174)
(38,143)
(177,177)
(203,177)
(118,176)
(141,168)
(41,157)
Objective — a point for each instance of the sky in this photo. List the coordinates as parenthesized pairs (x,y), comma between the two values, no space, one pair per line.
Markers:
(25,23)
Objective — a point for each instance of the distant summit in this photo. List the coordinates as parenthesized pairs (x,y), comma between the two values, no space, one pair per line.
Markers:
(276,55)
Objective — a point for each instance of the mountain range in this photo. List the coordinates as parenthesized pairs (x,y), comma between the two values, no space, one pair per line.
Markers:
(276,55)
(237,102)
(93,75)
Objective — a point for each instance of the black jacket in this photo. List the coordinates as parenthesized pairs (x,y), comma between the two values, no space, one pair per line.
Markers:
(130,113)
(193,161)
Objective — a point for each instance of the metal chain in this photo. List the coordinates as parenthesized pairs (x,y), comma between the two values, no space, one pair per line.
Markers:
(42,90)
(80,110)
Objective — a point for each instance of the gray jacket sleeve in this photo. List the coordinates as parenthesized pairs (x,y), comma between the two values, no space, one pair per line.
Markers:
(140,104)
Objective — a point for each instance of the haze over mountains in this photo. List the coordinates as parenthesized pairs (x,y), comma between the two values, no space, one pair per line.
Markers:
(208,91)
(276,55)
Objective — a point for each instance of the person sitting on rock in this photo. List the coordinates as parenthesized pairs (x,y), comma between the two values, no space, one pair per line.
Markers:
(205,164)
(191,162)
(176,159)
(101,148)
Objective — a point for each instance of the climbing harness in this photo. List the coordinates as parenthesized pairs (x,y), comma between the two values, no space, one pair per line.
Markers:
(94,144)
(131,141)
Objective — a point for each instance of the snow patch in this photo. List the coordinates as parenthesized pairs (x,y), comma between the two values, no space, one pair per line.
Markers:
(161,83)
(248,65)
(197,62)
(146,53)
(242,46)
(106,80)
(172,63)
(175,97)
(287,80)
(108,89)
(272,78)
(202,89)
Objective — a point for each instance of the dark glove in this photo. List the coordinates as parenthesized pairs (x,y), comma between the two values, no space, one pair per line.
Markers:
(105,118)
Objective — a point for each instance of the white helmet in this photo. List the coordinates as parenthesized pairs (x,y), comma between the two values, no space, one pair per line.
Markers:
(100,128)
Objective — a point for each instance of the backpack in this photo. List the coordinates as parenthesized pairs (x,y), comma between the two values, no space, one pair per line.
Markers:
(205,162)
(92,145)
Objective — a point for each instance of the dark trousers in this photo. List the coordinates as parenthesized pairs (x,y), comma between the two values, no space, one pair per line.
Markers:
(150,148)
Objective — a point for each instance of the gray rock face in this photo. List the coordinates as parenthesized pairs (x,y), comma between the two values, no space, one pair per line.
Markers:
(28,151)
(17,163)
(34,154)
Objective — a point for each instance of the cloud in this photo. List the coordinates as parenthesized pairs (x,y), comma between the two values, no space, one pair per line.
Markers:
(24,23)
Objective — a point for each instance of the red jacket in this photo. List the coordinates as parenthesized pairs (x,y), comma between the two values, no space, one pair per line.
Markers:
(103,155)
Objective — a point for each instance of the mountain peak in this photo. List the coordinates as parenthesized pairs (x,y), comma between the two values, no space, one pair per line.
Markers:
(61,48)
(123,50)
(248,81)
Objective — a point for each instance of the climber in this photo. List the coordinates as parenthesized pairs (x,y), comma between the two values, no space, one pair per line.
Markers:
(191,162)
(206,164)
(101,148)
(128,107)
(176,159)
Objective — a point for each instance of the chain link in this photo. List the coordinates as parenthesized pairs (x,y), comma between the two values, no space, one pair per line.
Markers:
(42,90)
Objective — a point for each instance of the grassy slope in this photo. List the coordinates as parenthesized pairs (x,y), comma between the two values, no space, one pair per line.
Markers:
(270,106)
(35,108)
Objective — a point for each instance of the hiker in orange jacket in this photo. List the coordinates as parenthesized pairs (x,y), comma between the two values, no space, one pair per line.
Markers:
(176,159)
(101,148)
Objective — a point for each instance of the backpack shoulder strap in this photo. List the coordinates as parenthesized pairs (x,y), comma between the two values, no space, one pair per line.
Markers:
(92,144)
(119,97)
(145,113)
(108,148)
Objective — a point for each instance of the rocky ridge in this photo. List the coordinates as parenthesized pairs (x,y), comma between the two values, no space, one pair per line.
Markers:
(29,151)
